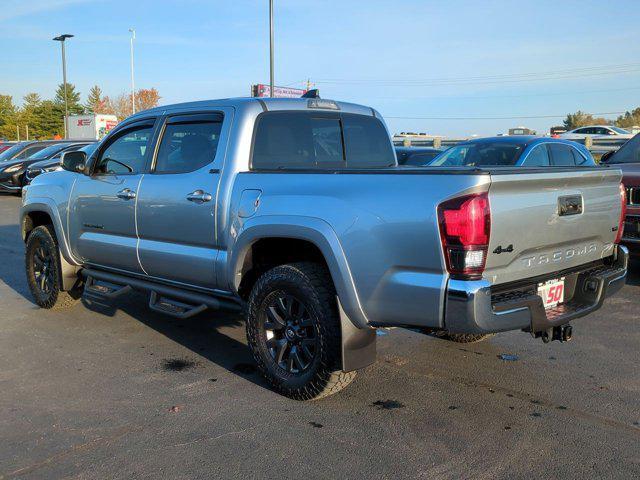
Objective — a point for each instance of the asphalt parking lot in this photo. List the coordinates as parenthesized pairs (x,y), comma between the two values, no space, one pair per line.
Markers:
(121,392)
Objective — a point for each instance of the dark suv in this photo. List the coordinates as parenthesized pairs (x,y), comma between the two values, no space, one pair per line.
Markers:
(12,170)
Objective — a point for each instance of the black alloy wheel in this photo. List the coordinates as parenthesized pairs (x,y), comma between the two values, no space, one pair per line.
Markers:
(288,331)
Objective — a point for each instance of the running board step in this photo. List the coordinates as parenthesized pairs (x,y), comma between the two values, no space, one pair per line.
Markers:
(101,289)
(164,298)
(170,306)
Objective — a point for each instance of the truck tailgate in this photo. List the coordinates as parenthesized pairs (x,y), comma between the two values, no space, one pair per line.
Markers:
(535,213)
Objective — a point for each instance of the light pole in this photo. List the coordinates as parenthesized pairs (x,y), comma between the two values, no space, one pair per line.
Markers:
(133,88)
(271,48)
(62,39)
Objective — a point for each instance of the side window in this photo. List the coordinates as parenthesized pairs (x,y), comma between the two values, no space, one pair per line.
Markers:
(126,153)
(298,140)
(367,142)
(29,151)
(561,155)
(538,157)
(577,157)
(602,131)
(186,147)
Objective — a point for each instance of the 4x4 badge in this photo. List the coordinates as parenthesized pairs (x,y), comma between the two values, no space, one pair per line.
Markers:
(500,250)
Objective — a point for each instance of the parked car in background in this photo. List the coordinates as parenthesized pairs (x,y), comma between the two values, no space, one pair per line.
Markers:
(6,146)
(515,151)
(416,156)
(12,171)
(627,159)
(596,131)
(21,150)
(295,212)
(53,163)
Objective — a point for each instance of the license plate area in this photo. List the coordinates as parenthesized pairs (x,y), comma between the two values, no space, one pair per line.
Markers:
(551,292)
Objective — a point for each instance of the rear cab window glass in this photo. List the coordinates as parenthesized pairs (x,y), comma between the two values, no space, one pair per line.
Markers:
(367,142)
(319,140)
(187,146)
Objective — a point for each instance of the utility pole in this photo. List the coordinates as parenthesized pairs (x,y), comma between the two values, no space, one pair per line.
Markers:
(271,48)
(61,39)
(18,133)
(27,130)
(133,88)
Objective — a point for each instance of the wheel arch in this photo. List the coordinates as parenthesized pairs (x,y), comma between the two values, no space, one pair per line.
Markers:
(317,240)
(42,213)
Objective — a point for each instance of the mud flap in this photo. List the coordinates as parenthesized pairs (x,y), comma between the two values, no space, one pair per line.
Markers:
(358,344)
(69,274)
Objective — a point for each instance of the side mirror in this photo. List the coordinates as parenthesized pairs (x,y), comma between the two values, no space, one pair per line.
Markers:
(607,156)
(74,161)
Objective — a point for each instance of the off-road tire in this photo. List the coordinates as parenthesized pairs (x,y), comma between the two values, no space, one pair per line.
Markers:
(464,337)
(43,239)
(311,284)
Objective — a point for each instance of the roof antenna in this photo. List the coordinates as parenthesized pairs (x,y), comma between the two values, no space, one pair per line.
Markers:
(315,93)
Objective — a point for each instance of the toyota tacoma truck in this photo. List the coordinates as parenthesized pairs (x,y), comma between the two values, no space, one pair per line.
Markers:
(294,212)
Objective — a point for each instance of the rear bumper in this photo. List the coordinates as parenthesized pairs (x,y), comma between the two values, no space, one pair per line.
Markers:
(477,307)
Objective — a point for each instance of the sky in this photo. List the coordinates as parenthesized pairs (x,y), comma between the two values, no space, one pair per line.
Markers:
(445,67)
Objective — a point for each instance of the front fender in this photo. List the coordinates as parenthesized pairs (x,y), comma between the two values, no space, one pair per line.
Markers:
(69,266)
(311,229)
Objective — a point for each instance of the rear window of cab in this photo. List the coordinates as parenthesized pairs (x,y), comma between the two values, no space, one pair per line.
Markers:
(321,141)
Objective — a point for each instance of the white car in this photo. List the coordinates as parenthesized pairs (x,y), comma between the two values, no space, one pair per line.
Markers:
(596,131)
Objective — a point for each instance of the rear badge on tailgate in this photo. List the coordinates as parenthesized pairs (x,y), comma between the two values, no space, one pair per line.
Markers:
(561,255)
(569,205)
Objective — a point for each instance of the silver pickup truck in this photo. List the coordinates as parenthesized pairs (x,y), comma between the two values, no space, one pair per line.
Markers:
(295,212)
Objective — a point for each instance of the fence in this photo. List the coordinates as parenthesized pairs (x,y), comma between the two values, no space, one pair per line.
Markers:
(595,145)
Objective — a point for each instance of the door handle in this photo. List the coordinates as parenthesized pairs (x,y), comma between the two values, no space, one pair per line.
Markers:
(199,196)
(126,194)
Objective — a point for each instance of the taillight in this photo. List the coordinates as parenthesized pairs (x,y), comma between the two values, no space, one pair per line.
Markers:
(623,212)
(465,225)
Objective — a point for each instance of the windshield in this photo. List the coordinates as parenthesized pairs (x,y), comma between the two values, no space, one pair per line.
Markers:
(10,152)
(49,151)
(628,153)
(619,130)
(483,154)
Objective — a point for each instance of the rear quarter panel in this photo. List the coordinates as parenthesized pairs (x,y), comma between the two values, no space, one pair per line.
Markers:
(386,226)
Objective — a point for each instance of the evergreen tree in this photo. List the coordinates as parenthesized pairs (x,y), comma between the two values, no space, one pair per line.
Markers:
(95,101)
(73,99)
(49,119)
(29,114)
(8,117)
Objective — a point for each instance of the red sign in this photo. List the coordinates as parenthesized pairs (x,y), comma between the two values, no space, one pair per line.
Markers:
(84,122)
(262,90)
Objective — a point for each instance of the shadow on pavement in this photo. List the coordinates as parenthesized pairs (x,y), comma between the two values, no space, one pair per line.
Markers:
(200,334)
(12,260)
